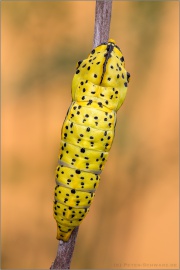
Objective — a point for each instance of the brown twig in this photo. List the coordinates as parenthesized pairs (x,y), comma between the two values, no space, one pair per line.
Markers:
(65,252)
(101,34)
(102,21)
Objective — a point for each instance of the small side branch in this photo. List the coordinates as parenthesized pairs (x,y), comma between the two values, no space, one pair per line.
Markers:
(102,21)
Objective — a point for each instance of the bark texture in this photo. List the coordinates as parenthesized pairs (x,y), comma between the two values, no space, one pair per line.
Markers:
(65,252)
(102,21)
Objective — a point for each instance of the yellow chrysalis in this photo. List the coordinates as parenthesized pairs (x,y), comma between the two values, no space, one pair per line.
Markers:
(99,88)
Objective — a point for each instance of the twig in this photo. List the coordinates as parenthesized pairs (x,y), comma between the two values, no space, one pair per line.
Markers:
(102,21)
(101,34)
(65,252)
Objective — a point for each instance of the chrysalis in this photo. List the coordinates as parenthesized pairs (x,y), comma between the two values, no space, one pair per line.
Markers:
(99,88)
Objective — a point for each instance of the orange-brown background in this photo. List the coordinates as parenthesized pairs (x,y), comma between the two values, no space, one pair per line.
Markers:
(133,222)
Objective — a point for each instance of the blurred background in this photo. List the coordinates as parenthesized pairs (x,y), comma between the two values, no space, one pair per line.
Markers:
(133,221)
